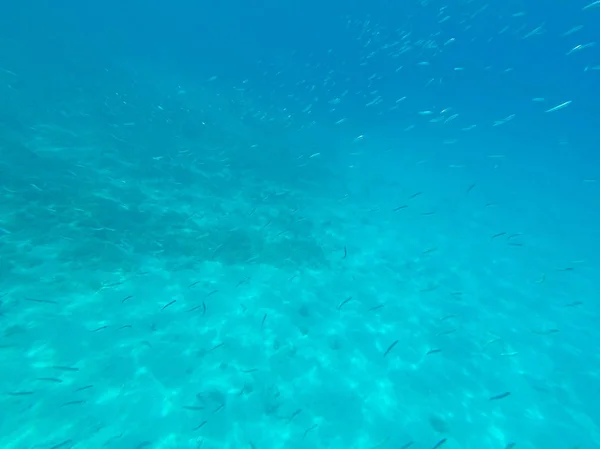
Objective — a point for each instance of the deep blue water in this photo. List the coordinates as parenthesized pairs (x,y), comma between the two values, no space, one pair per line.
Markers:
(191,191)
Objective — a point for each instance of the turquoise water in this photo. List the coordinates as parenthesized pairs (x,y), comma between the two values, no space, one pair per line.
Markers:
(306,225)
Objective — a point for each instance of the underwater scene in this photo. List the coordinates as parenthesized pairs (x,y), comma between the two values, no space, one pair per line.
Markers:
(300,225)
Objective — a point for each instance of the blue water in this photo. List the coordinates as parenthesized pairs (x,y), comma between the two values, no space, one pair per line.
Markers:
(300,225)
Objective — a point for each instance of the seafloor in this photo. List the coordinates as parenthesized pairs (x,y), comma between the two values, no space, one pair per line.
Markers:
(181,267)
